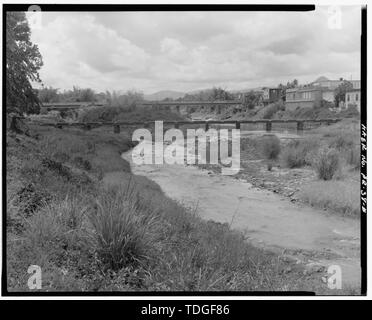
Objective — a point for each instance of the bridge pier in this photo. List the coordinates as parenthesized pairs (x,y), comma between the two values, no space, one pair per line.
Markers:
(300,127)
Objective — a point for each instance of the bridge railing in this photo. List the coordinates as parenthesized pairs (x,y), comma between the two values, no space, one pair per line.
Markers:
(206,123)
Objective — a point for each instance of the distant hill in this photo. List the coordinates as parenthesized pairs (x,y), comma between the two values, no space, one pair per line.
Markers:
(160,95)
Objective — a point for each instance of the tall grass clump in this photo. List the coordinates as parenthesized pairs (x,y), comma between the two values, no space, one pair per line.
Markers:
(59,222)
(122,234)
(349,147)
(299,153)
(335,195)
(352,157)
(326,163)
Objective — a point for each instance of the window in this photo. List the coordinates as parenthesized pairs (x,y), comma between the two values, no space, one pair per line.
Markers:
(356,97)
(348,97)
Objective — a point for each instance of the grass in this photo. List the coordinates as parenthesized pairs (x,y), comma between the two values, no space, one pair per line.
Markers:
(341,197)
(333,152)
(87,236)
(124,233)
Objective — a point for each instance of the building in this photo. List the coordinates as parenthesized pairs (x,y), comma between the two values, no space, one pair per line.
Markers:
(321,89)
(271,95)
(333,84)
(309,96)
(352,99)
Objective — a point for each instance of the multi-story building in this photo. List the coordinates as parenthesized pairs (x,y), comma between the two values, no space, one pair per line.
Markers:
(303,97)
(333,84)
(321,89)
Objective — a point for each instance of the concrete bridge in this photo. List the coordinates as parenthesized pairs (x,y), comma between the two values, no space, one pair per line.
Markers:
(71,107)
(177,124)
(212,106)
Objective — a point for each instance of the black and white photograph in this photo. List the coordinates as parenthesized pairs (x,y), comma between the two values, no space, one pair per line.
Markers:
(184,150)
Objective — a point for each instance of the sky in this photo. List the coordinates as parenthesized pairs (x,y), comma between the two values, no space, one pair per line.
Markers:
(186,51)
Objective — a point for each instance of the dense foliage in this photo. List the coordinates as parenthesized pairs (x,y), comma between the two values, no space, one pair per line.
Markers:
(23,61)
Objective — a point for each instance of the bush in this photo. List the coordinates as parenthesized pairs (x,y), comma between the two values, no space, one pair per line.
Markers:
(326,163)
(271,147)
(349,147)
(298,153)
(342,141)
(272,109)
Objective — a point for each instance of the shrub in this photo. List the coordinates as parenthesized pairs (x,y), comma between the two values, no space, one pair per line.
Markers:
(298,153)
(83,163)
(122,234)
(342,141)
(326,163)
(271,109)
(271,147)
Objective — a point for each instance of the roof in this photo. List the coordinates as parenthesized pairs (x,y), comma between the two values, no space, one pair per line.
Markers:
(271,88)
(304,89)
(321,78)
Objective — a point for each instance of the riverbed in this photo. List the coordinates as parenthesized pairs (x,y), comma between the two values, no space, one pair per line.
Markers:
(267,219)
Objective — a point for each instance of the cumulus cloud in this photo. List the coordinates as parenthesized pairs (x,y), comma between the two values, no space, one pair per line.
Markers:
(152,51)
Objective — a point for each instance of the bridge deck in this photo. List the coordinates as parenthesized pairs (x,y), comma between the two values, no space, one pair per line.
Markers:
(237,123)
(189,103)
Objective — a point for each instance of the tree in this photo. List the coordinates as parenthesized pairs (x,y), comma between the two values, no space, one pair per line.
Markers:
(340,91)
(48,94)
(252,99)
(128,100)
(290,85)
(23,61)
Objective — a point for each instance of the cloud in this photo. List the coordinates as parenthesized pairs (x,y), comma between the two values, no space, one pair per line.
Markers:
(152,51)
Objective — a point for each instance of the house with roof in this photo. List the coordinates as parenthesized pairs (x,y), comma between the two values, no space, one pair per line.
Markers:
(333,84)
(352,99)
(308,96)
(320,89)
